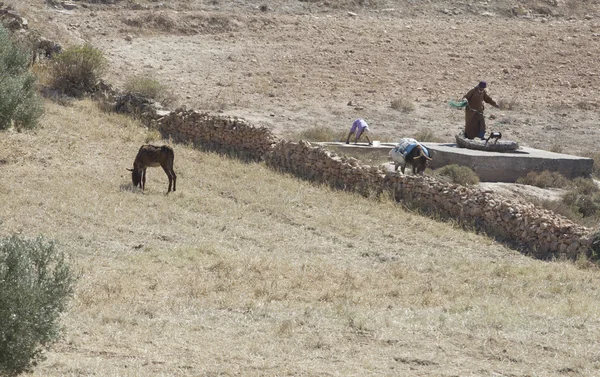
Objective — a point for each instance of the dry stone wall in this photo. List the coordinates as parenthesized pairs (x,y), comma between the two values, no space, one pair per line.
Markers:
(543,232)
(230,135)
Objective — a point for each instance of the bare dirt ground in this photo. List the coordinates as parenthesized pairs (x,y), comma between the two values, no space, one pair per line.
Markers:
(292,65)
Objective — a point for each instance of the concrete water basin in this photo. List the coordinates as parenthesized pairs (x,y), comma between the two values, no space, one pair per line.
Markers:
(489,166)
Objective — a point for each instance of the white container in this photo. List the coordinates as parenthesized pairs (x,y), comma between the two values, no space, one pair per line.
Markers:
(376,143)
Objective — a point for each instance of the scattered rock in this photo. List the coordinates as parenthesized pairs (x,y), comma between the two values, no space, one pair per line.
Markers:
(69,6)
(520,11)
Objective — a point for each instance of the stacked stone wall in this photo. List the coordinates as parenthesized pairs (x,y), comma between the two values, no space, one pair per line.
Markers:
(543,232)
(230,135)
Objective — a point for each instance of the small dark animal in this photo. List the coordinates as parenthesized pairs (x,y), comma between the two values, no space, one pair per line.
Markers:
(416,158)
(151,156)
(494,135)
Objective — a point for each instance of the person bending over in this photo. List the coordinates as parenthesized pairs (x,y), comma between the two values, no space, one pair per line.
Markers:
(359,127)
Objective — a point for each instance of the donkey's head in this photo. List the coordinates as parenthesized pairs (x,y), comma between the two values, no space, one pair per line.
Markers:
(136,177)
(420,161)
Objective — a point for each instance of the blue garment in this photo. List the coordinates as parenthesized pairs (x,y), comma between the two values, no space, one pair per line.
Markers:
(406,145)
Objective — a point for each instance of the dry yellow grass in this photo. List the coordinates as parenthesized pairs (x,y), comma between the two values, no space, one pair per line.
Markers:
(244,271)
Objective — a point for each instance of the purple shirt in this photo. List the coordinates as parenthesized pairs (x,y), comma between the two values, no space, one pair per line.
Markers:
(359,126)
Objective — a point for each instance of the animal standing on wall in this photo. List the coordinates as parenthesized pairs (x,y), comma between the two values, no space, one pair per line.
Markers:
(152,156)
(410,151)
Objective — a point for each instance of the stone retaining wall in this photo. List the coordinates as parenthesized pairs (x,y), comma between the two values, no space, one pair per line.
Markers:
(543,232)
(523,223)
(230,135)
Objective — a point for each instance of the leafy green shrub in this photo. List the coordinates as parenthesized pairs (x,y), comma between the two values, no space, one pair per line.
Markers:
(20,105)
(544,179)
(149,87)
(461,175)
(35,283)
(78,69)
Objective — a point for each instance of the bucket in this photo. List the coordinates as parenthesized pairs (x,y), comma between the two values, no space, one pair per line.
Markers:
(376,143)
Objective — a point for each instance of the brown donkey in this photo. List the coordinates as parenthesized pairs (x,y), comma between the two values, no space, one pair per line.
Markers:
(151,156)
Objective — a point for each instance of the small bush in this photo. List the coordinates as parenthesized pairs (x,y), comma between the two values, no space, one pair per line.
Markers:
(596,169)
(77,70)
(581,203)
(35,283)
(544,179)
(583,197)
(584,186)
(427,135)
(20,105)
(556,148)
(461,175)
(149,87)
(507,104)
(402,104)
(596,245)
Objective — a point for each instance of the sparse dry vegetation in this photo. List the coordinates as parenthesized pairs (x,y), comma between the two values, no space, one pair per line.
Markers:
(556,148)
(320,134)
(149,87)
(507,104)
(427,136)
(402,104)
(544,179)
(461,175)
(596,157)
(581,201)
(244,271)
(277,267)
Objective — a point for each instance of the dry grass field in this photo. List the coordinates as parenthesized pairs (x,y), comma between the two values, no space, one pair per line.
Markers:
(247,272)
(244,271)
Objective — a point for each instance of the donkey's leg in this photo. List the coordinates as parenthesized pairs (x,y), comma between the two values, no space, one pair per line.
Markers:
(168,173)
(174,179)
